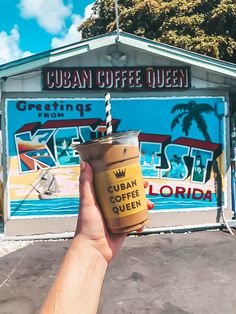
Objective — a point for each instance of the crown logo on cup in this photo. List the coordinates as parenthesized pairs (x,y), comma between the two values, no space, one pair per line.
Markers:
(119,173)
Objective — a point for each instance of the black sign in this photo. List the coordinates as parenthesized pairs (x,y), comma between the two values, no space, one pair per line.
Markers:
(109,78)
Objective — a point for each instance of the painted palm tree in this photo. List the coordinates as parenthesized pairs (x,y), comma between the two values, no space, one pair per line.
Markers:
(191,112)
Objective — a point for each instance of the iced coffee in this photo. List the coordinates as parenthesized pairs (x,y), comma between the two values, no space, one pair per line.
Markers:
(118,182)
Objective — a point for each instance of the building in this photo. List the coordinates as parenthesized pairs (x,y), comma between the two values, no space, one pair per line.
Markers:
(181,101)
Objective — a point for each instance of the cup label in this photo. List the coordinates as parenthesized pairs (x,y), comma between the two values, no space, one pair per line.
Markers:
(120,192)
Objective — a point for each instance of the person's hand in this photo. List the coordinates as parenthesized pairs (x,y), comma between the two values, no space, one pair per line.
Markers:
(91,228)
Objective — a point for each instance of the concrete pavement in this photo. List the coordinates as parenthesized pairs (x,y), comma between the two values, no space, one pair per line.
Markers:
(154,274)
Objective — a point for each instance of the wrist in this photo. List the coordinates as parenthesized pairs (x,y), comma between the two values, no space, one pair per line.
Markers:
(81,244)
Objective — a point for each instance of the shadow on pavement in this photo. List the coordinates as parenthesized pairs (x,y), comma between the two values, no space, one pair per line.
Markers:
(27,274)
(155,274)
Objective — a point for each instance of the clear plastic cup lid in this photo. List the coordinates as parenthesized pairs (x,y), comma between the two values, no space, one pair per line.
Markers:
(128,137)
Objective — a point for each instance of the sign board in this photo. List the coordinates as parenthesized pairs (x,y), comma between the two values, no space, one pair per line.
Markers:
(125,78)
(181,150)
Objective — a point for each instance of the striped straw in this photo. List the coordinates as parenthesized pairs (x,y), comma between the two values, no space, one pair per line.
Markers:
(108,114)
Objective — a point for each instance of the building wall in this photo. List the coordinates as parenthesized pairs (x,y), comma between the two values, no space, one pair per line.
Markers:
(205,85)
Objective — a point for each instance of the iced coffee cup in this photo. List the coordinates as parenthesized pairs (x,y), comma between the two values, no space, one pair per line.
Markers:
(118,182)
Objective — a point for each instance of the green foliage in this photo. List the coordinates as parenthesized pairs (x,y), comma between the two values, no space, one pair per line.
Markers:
(203,26)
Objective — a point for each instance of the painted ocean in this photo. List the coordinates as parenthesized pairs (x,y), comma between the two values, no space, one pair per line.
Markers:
(69,206)
(53,207)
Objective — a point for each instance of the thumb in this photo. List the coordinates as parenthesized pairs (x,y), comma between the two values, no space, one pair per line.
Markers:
(86,191)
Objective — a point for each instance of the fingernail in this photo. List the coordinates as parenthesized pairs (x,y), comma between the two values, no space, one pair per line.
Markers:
(82,165)
(151,206)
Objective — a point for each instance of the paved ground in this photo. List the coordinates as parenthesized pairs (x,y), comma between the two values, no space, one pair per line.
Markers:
(155,274)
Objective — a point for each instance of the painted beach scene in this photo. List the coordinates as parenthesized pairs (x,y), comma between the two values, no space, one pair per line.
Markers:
(181,152)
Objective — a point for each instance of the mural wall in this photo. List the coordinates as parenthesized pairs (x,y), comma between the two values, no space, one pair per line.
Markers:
(181,150)
(1,176)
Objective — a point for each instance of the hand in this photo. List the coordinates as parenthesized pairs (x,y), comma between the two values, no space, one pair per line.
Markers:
(91,228)
(149,203)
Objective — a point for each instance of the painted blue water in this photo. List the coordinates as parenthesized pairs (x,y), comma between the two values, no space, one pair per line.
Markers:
(57,206)
(149,171)
(69,206)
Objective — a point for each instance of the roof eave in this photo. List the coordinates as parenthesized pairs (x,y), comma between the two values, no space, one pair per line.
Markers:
(42,59)
(195,59)
(37,61)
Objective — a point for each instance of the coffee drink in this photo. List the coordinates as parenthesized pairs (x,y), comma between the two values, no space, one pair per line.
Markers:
(118,182)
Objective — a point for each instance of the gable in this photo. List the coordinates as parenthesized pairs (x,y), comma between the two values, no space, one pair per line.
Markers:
(125,39)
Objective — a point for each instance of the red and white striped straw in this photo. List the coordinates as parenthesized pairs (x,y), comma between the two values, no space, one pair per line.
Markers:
(108,114)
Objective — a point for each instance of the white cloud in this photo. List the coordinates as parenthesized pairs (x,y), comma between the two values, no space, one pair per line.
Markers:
(50,14)
(72,35)
(88,10)
(9,46)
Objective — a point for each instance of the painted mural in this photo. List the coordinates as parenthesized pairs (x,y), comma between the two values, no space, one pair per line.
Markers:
(1,178)
(181,150)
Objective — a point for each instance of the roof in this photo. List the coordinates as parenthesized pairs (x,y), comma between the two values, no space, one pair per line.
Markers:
(149,46)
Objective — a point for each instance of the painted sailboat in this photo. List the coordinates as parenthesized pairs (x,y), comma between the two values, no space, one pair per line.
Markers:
(48,187)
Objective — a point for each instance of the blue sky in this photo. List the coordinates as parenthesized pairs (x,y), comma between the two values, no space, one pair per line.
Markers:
(32,26)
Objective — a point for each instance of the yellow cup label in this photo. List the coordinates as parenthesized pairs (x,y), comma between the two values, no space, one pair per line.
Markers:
(120,192)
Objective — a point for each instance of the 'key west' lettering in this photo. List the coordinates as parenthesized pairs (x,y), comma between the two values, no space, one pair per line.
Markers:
(36,150)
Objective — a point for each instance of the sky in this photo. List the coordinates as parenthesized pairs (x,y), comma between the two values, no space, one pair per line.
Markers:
(31,26)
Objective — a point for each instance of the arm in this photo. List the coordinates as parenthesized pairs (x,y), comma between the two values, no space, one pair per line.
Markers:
(78,285)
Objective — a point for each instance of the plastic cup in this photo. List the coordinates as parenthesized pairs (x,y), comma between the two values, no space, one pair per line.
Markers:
(118,182)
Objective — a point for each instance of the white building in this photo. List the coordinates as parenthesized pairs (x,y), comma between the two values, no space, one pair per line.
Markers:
(181,101)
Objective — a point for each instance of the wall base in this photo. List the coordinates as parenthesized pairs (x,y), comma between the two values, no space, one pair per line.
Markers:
(62,225)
